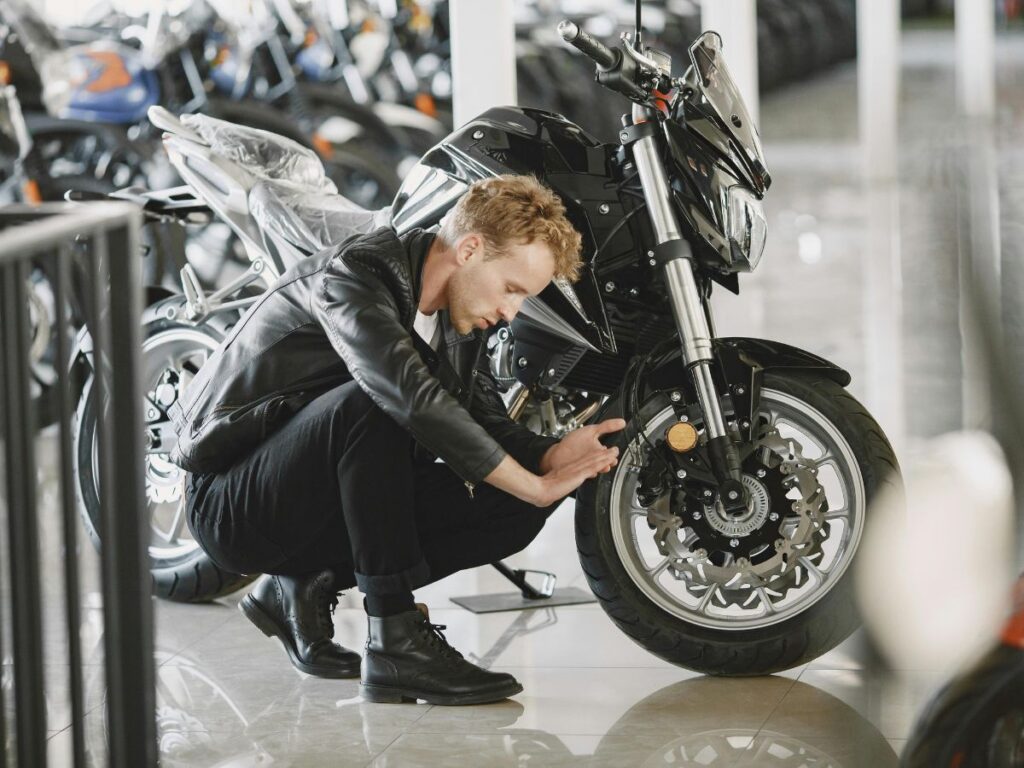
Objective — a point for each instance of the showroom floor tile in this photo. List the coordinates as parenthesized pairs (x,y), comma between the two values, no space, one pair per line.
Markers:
(867,275)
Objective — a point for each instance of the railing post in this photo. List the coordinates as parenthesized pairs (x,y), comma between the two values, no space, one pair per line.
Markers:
(23,537)
(41,238)
(127,604)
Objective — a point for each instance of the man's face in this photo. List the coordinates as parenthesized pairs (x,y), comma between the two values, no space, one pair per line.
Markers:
(482,292)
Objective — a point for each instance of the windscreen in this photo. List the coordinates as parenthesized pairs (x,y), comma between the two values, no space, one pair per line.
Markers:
(721,93)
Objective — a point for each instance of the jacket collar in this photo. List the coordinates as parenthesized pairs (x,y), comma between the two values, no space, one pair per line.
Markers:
(416,243)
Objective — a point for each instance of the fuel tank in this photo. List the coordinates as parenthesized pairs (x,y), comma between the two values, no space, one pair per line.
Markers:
(109,84)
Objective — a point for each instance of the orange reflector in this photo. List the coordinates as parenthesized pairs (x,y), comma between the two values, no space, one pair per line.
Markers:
(368,26)
(311,37)
(323,147)
(30,189)
(662,100)
(425,103)
(420,21)
(681,437)
(5,73)
(1013,632)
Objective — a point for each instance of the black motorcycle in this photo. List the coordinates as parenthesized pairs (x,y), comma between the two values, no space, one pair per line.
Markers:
(724,538)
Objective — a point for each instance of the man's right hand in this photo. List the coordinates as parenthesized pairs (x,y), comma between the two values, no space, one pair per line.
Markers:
(559,483)
(545,490)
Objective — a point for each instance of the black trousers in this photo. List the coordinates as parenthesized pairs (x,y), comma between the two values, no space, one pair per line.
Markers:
(339,486)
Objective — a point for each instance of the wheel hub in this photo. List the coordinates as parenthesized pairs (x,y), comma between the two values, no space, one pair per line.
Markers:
(745,524)
(163,480)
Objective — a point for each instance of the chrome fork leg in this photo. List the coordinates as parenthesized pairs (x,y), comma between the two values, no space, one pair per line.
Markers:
(691,317)
(687,307)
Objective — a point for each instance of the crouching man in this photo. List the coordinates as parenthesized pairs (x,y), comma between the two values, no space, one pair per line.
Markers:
(310,438)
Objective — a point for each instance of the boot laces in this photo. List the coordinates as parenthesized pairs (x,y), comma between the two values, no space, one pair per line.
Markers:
(327,603)
(436,637)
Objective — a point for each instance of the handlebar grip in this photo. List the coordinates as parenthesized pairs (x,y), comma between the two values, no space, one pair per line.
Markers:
(593,48)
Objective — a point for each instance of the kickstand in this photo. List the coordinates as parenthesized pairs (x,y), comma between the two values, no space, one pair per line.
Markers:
(529,596)
(529,592)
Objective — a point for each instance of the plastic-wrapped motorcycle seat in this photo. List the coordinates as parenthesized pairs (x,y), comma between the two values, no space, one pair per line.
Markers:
(308,219)
(266,155)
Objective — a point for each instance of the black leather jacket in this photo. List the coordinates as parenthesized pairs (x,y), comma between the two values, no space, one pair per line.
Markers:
(347,313)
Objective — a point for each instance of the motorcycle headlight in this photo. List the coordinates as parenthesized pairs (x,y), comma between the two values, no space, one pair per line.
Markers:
(748,228)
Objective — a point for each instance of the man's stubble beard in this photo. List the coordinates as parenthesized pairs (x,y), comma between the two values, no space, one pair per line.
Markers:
(459,314)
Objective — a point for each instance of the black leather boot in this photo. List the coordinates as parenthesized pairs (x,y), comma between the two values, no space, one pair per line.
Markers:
(408,658)
(298,612)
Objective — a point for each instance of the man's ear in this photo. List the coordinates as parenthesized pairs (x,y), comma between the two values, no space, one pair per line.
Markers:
(467,247)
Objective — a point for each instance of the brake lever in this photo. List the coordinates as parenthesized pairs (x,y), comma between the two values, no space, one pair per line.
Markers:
(645,63)
(652,76)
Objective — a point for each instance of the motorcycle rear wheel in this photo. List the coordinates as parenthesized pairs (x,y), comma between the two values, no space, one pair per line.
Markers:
(180,570)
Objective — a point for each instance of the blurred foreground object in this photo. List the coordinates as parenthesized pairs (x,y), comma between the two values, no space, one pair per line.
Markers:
(932,581)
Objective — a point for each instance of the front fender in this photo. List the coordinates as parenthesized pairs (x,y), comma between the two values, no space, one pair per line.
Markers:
(740,357)
(741,364)
(741,353)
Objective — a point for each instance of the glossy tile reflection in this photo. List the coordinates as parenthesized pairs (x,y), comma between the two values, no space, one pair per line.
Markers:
(870,276)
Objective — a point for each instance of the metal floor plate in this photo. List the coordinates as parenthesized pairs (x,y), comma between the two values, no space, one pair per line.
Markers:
(514,601)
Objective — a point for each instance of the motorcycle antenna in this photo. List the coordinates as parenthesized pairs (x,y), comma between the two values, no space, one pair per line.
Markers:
(638,29)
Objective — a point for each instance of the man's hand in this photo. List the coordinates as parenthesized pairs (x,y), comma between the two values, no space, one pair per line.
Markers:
(559,483)
(577,444)
(576,458)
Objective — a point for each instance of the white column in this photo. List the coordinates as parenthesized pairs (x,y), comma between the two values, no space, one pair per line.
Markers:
(981,297)
(975,57)
(483,39)
(736,22)
(878,84)
(884,380)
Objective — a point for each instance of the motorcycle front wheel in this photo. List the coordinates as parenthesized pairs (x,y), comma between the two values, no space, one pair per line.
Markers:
(752,595)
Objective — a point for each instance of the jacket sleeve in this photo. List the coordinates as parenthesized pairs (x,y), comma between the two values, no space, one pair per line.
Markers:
(361,318)
(487,407)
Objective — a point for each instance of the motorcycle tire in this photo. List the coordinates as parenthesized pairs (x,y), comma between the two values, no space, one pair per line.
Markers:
(188,576)
(755,650)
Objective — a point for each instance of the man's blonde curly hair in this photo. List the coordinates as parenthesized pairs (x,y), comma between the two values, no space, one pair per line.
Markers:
(516,210)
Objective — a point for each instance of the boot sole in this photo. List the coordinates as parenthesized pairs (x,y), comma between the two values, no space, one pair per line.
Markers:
(266,624)
(386,694)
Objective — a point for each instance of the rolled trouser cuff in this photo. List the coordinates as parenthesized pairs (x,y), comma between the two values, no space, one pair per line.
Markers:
(394,583)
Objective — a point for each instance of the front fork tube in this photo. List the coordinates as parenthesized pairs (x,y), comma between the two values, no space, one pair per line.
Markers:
(691,316)
(694,332)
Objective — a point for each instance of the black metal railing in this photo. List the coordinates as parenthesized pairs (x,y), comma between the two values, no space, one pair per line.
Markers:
(94,246)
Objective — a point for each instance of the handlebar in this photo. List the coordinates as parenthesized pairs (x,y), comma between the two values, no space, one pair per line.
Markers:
(605,57)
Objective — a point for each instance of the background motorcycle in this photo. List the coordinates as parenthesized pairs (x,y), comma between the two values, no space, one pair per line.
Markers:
(23,179)
(242,177)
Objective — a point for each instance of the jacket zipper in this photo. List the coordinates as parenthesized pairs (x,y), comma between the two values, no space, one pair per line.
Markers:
(469,399)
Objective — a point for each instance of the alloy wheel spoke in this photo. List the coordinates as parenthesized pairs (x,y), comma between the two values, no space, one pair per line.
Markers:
(174,534)
(704,601)
(659,569)
(825,460)
(811,569)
